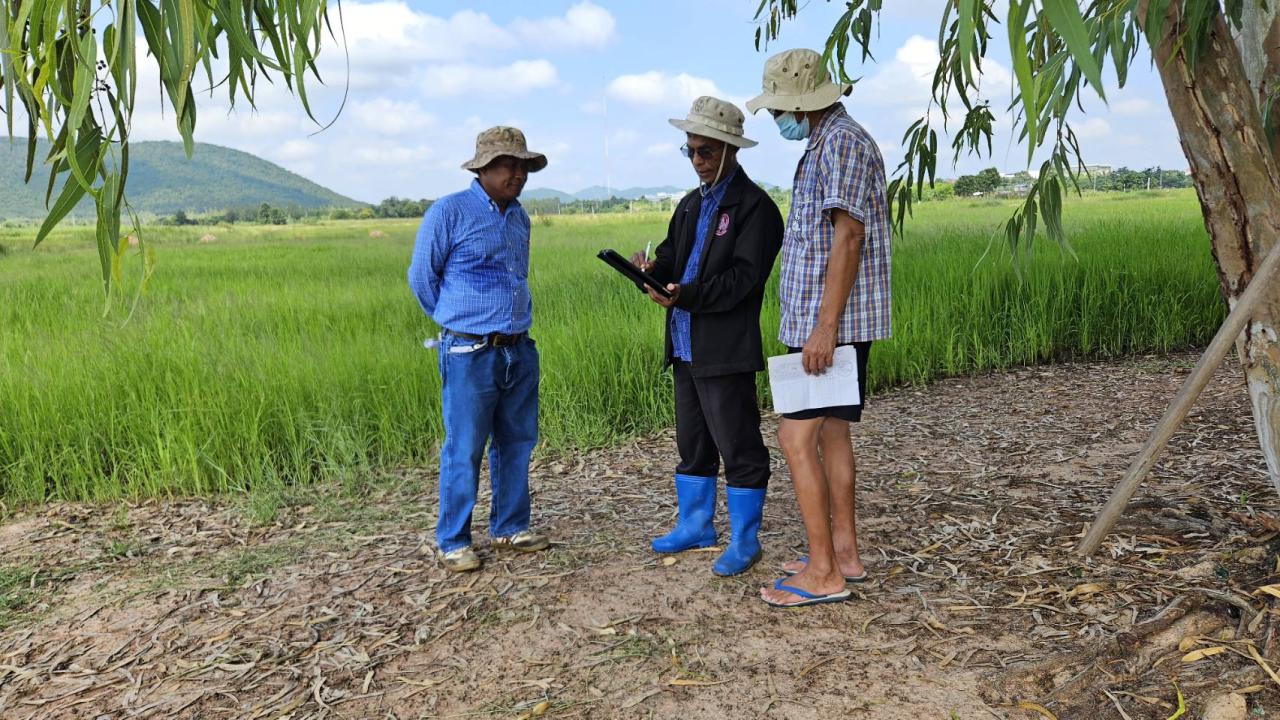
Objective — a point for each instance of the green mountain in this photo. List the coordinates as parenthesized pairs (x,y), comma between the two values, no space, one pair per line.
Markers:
(162,181)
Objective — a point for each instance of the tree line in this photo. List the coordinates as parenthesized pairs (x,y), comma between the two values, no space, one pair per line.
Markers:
(987,182)
(268,214)
(1102,179)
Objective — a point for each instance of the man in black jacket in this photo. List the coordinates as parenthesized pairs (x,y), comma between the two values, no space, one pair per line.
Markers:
(715,261)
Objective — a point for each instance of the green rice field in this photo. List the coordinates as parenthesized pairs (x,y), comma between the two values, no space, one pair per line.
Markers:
(280,355)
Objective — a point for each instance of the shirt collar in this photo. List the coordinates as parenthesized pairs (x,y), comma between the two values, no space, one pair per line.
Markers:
(825,124)
(718,190)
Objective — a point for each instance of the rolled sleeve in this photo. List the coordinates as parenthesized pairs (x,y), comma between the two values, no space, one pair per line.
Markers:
(844,176)
(430,252)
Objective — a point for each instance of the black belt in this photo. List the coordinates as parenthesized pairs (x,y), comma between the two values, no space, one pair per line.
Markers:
(492,339)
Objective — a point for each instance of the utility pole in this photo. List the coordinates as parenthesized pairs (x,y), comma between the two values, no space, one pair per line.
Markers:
(607,189)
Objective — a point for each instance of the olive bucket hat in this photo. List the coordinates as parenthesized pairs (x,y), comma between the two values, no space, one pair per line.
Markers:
(716,119)
(797,80)
(501,140)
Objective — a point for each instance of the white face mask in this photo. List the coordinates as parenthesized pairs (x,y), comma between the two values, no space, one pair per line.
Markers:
(790,128)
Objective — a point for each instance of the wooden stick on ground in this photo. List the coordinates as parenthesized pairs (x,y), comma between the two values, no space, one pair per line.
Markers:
(1191,389)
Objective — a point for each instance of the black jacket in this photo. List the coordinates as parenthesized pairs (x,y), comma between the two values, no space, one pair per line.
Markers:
(743,240)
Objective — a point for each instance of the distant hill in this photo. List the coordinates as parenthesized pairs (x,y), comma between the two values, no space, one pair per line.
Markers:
(547,194)
(162,181)
(598,192)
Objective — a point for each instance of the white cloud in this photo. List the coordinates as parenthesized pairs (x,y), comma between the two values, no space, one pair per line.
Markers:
(661,149)
(658,88)
(518,78)
(906,82)
(388,42)
(1132,106)
(391,32)
(384,155)
(997,82)
(920,58)
(1091,129)
(391,117)
(585,25)
(296,150)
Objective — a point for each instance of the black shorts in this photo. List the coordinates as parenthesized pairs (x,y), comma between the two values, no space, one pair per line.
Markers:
(848,413)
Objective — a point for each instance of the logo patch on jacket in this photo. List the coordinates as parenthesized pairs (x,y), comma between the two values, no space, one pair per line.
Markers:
(723,227)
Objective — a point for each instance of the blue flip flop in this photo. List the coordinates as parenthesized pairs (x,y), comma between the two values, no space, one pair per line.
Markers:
(809,598)
(847,578)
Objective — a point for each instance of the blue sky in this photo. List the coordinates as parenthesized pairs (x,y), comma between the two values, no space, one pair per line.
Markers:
(580,76)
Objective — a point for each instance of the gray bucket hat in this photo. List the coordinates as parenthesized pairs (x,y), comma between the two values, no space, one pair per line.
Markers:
(717,119)
(797,80)
(501,140)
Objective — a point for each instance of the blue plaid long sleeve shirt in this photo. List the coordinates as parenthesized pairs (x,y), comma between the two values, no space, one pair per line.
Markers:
(470,267)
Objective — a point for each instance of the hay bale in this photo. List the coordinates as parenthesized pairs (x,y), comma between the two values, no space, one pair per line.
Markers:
(208,238)
(377,234)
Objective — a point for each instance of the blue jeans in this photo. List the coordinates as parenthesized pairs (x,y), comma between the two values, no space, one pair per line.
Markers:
(490,394)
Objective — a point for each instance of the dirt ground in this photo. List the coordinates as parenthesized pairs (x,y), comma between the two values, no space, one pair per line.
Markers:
(972,494)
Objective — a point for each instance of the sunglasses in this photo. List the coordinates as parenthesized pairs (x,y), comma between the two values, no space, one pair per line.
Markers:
(704,152)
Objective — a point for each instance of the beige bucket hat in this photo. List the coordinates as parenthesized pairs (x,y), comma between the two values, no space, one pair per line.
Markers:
(715,118)
(501,140)
(797,80)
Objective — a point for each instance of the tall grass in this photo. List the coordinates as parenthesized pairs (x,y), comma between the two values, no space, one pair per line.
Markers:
(280,355)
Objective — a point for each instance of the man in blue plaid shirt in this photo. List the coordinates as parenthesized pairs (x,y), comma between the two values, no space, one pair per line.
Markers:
(834,291)
(470,273)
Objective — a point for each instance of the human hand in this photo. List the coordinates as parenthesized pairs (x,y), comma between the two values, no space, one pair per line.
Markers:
(819,350)
(642,262)
(670,302)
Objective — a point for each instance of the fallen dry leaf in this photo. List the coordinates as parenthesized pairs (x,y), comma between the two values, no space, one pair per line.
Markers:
(1273,590)
(1203,653)
(685,682)
(1037,707)
(1086,589)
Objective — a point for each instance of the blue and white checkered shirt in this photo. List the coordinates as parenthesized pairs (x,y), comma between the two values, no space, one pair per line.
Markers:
(841,168)
(681,320)
(470,268)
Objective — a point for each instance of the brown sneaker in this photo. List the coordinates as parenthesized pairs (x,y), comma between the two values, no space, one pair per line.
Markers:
(523,541)
(461,560)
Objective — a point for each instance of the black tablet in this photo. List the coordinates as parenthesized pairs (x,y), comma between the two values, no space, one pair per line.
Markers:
(633,273)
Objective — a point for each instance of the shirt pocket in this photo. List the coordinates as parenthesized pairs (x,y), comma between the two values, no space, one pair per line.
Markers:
(802,221)
(482,251)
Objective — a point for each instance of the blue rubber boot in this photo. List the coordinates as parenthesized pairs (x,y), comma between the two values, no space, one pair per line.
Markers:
(746,505)
(697,499)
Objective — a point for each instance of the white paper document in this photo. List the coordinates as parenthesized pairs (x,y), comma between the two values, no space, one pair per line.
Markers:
(795,390)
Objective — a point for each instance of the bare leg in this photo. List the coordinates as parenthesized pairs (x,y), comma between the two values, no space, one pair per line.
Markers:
(799,440)
(840,467)
(842,472)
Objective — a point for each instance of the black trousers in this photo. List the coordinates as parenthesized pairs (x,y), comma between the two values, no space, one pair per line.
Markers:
(719,417)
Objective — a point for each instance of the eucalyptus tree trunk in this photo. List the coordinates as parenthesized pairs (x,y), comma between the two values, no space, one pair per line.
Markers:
(1234,166)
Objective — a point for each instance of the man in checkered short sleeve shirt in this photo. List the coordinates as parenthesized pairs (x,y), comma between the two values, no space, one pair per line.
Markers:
(834,291)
